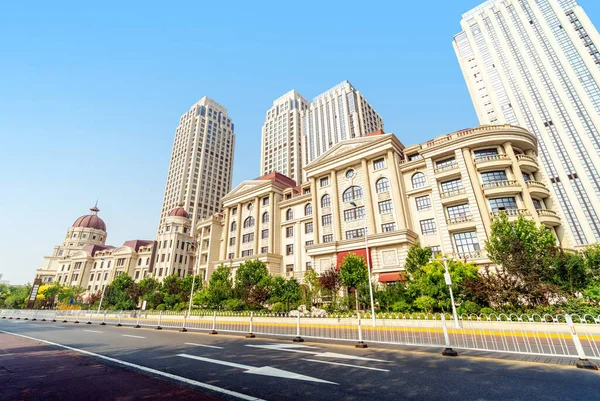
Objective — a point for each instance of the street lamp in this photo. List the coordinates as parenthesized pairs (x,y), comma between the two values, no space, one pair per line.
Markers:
(448,280)
(103,289)
(368,264)
(193,283)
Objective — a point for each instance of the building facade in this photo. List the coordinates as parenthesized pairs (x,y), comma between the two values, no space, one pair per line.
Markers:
(281,144)
(335,115)
(201,165)
(535,64)
(443,193)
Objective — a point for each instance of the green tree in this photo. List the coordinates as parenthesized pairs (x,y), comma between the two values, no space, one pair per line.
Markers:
(570,273)
(186,286)
(312,287)
(252,283)
(285,291)
(331,282)
(220,288)
(171,288)
(117,295)
(417,257)
(150,291)
(353,272)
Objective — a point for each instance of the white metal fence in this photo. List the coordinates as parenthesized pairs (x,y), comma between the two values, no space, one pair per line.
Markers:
(561,335)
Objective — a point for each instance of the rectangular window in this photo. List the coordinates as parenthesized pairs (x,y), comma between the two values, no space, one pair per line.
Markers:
(485,152)
(265,201)
(264,234)
(324,182)
(234,211)
(458,211)
(379,164)
(91,277)
(307,243)
(247,238)
(105,276)
(289,232)
(326,219)
(289,249)
(385,206)
(493,176)
(358,233)
(466,242)
(423,202)
(308,265)
(446,163)
(308,228)
(452,185)
(537,204)
(353,214)
(498,204)
(436,250)
(247,252)
(328,238)
(388,227)
(428,226)
(264,249)
(137,274)
(230,255)
(231,241)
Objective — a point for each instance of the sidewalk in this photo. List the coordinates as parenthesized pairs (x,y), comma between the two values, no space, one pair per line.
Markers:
(33,371)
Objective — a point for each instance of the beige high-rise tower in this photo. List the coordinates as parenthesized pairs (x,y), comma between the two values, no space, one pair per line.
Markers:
(201,162)
(281,149)
(535,63)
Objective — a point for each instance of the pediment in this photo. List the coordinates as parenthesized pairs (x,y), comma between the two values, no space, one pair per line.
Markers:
(246,186)
(345,147)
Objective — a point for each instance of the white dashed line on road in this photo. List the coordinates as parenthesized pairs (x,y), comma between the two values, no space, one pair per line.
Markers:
(93,331)
(204,345)
(345,364)
(127,335)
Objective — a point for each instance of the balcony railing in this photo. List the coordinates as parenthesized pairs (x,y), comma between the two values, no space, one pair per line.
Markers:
(546,212)
(459,219)
(499,184)
(477,254)
(453,192)
(526,158)
(446,167)
(488,158)
(536,184)
(511,212)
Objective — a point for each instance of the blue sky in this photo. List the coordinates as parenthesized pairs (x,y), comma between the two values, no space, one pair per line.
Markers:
(91,94)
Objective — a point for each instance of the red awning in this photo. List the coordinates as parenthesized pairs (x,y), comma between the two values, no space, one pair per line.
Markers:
(361,252)
(390,277)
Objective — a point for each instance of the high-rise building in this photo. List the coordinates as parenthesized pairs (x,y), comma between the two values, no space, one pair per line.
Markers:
(281,149)
(201,162)
(535,63)
(335,115)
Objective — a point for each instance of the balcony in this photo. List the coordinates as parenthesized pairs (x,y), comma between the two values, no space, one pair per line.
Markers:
(501,187)
(538,189)
(512,214)
(548,217)
(527,163)
(453,195)
(470,255)
(491,162)
(459,223)
(447,171)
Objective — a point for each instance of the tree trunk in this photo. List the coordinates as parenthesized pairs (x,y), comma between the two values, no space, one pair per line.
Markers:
(356,297)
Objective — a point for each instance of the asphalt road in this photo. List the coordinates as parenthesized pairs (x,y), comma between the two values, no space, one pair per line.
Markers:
(233,367)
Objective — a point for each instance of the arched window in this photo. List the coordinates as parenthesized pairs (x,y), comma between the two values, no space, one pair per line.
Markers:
(326,201)
(418,180)
(289,214)
(352,193)
(265,217)
(308,209)
(249,222)
(233,226)
(147,261)
(382,185)
(139,261)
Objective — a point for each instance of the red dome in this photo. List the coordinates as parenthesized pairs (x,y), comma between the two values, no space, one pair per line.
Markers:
(91,220)
(179,212)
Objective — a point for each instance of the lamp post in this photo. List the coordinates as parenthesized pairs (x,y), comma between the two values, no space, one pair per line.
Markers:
(193,284)
(102,296)
(368,264)
(448,280)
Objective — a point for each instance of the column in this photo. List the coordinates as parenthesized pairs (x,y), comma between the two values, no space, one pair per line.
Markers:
(508,149)
(315,205)
(335,207)
(479,198)
(271,224)
(396,196)
(238,231)
(298,248)
(223,251)
(368,199)
(257,224)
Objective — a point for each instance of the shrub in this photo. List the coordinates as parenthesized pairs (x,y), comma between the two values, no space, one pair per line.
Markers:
(471,307)
(233,304)
(179,306)
(161,307)
(401,306)
(278,307)
(486,311)
(424,303)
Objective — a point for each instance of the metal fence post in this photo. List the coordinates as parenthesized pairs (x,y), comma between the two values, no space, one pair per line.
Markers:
(90,318)
(120,315)
(183,329)
(159,320)
(448,351)
(214,326)
(360,343)
(583,362)
(250,334)
(54,317)
(137,323)
(298,339)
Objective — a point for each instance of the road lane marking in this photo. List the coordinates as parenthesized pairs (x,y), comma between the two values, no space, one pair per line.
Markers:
(204,345)
(335,355)
(263,371)
(345,364)
(93,331)
(145,369)
(128,335)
